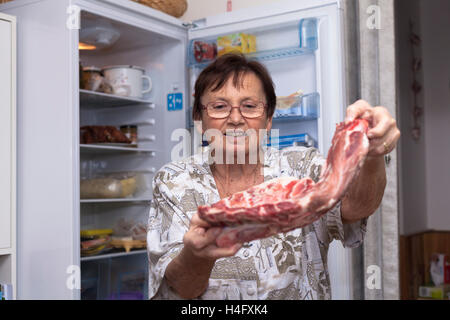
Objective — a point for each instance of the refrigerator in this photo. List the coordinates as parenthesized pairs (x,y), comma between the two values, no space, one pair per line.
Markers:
(300,43)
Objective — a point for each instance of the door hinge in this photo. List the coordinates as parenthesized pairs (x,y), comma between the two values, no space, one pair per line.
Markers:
(195,24)
(190,25)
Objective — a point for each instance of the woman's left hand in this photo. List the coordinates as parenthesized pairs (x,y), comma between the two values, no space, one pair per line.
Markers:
(383,133)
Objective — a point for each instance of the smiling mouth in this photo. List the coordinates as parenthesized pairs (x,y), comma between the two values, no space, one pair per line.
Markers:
(235,133)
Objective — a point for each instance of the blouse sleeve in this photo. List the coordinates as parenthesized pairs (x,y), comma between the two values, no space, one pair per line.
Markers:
(167,225)
(351,235)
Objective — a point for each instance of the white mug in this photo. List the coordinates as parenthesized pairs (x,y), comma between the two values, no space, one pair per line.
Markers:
(127,80)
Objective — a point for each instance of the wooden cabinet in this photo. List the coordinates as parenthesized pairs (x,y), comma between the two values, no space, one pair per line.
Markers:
(8,150)
(415,255)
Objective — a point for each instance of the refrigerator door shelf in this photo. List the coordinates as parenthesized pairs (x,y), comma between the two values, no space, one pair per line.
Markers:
(306,107)
(302,139)
(267,55)
(299,38)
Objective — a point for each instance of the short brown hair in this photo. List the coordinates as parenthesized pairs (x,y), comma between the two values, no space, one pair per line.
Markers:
(217,73)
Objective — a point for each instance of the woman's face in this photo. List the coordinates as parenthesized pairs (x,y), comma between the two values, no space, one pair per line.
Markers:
(234,134)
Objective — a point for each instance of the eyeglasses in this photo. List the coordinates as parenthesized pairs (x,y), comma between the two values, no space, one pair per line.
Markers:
(221,109)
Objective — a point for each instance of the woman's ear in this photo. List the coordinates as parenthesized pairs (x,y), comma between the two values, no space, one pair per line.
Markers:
(269,124)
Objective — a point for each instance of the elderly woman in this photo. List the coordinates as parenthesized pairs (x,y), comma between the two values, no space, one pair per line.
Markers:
(234,95)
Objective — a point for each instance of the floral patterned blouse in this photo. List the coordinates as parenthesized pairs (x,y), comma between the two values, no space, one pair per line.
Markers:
(292,265)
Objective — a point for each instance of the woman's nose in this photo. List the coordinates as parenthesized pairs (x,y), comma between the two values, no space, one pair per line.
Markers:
(235,116)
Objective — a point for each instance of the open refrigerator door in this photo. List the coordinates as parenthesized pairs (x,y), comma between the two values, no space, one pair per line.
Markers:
(301,48)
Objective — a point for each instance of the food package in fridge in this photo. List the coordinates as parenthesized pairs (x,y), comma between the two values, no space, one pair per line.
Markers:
(287,102)
(102,134)
(91,78)
(95,241)
(132,285)
(240,42)
(137,230)
(251,43)
(204,51)
(108,186)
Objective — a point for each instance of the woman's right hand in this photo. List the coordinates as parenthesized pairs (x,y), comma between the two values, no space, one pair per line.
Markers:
(200,241)
(188,274)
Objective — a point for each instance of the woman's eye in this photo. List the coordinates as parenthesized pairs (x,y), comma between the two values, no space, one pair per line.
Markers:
(219,106)
(249,106)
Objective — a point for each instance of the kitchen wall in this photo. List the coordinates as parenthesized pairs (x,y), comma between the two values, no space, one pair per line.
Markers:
(198,9)
(424,175)
(436,52)
(412,153)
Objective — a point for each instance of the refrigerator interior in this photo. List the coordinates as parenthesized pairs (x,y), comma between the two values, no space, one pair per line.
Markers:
(299,52)
(288,50)
(115,273)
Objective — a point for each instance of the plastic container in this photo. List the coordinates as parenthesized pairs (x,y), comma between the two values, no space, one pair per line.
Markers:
(91,78)
(132,284)
(302,139)
(304,107)
(310,106)
(308,33)
(288,105)
(112,185)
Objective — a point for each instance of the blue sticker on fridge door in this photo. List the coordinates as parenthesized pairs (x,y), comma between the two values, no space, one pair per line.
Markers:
(175,101)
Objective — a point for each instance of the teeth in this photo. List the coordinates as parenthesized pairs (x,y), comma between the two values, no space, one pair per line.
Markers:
(235,133)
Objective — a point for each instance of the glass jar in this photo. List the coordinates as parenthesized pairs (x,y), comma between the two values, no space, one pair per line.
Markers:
(130,131)
(91,79)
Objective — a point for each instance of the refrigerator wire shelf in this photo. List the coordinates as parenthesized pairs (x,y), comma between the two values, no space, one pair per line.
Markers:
(98,100)
(266,55)
(99,149)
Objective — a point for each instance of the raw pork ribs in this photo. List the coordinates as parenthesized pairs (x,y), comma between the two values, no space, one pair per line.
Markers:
(286,203)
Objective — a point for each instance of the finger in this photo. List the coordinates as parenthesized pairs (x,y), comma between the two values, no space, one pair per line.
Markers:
(215,252)
(377,146)
(382,123)
(196,221)
(200,240)
(357,110)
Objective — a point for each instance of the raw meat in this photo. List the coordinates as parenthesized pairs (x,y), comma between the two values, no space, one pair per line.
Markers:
(287,203)
(102,134)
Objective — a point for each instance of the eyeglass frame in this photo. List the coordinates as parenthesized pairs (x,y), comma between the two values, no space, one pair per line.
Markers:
(205,107)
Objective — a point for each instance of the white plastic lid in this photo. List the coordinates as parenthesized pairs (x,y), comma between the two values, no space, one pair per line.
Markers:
(92,68)
(123,66)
